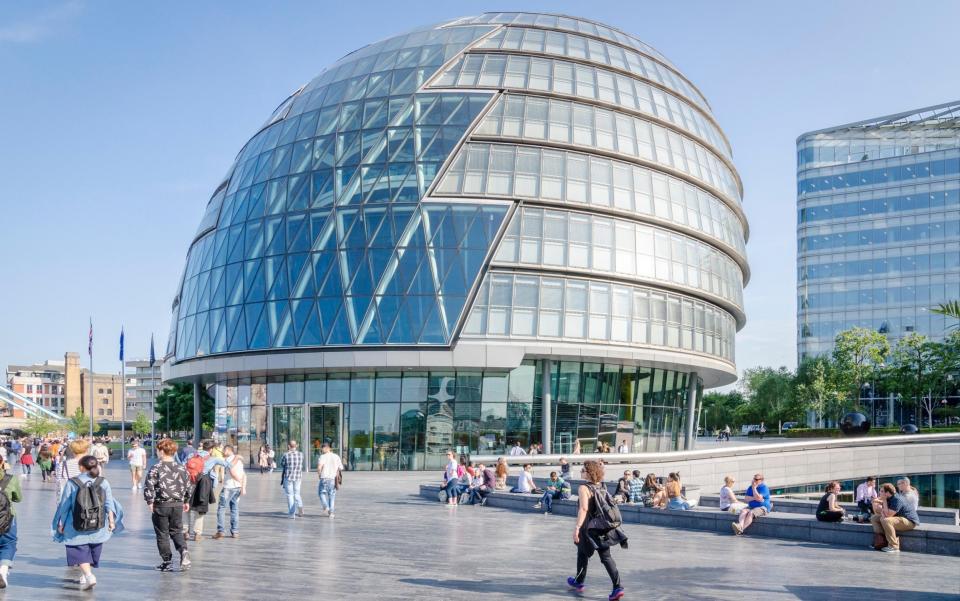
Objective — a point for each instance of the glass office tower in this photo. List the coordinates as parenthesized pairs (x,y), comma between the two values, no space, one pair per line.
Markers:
(504,228)
(878,226)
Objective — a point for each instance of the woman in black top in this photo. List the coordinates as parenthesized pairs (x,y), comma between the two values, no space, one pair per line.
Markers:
(828,510)
(592,473)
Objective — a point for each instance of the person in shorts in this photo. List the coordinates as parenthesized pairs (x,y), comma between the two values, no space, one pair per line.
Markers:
(758,505)
(137,457)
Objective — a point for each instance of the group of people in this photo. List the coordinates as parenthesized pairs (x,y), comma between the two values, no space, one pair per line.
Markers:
(891,510)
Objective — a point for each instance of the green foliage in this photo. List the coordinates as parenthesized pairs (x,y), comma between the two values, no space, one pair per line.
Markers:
(950,309)
(176,404)
(770,395)
(141,426)
(720,409)
(41,426)
(857,354)
(79,423)
(817,389)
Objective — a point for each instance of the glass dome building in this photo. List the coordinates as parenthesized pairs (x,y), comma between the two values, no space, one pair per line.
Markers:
(448,232)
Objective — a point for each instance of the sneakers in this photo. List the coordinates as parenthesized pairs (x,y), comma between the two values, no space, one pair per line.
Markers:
(185,562)
(165,566)
(218,535)
(3,581)
(300,512)
(331,515)
(88,582)
(483,501)
(577,586)
(890,550)
(736,528)
(538,506)
(617,594)
(234,535)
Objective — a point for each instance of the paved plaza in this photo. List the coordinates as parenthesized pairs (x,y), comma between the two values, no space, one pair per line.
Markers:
(387,543)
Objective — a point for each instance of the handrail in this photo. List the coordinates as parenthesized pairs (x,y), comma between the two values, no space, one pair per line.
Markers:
(734,451)
(24,404)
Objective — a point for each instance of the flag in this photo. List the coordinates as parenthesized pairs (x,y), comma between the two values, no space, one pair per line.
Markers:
(90,342)
(121,343)
(153,356)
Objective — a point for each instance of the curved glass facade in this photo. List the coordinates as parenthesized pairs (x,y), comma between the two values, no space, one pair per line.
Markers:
(478,205)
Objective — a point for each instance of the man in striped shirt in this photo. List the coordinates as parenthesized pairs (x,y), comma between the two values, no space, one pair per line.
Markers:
(292,465)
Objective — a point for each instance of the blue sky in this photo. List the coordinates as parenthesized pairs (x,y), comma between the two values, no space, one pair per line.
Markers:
(117,119)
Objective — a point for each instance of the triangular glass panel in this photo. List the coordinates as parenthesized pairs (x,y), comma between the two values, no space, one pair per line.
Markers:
(253,276)
(342,179)
(322,188)
(378,258)
(463,217)
(321,265)
(255,207)
(203,336)
(235,243)
(299,192)
(260,336)
(236,329)
(309,330)
(254,239)
(453,307)
(251,315)
(203,291)
(276,196)
(410,259)
(417,237)
(422,282)
(274,237)
(441,231)
(433,329)
(359,305)
(324,153)
(472,260)
(388,310)
(280,324)
(372,219)
(407,190)
(301,276)
(448,262)
(375,113)
(339,331)
(298,233)
(362,282)
(348,148)
(318,222)
(333,286)
(373,334)
(234,279)
(276,274)
(302,156)
(218,341)
(492,218)
(219,296)
(281,161)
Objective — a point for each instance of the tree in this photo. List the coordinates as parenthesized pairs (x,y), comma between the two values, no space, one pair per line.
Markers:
(41,426)
(176,404)
(858,353)
(141,426)
(817,389)
(79,422)
(770,394)
(719,409)
(950,309)
(912,371)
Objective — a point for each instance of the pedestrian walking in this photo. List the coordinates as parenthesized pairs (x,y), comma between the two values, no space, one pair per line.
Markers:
(203,473)
(167,491)
(45,463)
(597,529)
(266,459)
(11,493)
(69,464)
(26,461)
(87,516)
(137,457)
(234,486)
(101,452)
(292,477)
(329,468)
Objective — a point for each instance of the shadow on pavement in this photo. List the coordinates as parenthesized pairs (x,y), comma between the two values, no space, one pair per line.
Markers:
(818,593)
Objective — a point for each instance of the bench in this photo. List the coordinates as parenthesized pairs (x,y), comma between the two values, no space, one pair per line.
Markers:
(928,515)
(937,539)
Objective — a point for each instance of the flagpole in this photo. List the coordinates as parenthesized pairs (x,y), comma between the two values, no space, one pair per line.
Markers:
(90,351)
(123,410)
(153,399)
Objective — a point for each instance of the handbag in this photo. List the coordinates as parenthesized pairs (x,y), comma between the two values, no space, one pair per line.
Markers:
(338,481)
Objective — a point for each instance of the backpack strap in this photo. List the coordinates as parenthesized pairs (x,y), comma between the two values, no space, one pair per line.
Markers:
(76,480)
(4,482)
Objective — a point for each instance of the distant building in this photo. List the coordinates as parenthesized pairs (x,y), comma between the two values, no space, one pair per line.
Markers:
(42,383)
(143,384)
(878,226)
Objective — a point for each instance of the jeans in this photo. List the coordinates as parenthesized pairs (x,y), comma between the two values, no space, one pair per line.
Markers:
(168,524)
(195,522)
(229,496)
(585,551)
(865,507)
(477,494)
(8,544)
(453,489)
(328,493)
(294,501)
(547,499)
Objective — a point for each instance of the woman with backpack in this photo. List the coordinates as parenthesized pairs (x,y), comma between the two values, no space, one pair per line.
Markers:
(45,461)
(86,517)
(597,529)
(10,487)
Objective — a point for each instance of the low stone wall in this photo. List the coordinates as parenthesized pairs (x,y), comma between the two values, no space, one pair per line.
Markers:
(928,515)
(928,538)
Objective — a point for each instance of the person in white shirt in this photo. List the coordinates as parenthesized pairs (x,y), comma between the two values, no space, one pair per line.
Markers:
(910,494)
(866,493)
(329,467)
(234,486)
(728,499)
(517,450)
(101,452)
(525,480)
(623,448)
(138,463)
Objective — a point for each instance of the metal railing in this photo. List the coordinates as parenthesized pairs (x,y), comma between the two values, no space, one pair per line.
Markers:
(32,409)
(733,451)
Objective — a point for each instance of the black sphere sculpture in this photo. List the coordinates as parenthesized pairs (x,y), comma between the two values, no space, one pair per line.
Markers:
(909,429)
(854,424)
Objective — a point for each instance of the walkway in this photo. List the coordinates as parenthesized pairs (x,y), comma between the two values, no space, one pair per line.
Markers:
(388,544)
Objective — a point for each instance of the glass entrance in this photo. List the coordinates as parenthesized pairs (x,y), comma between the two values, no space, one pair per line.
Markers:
(325,426)
(287,426)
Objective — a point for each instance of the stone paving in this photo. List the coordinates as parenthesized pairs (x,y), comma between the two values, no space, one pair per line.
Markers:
(386,543)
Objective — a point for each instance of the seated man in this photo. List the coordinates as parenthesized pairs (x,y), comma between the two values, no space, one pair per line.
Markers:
(482,485)
(623,488)
(758,504)
(892,514)
(554,490)
(866,493)
(525,480)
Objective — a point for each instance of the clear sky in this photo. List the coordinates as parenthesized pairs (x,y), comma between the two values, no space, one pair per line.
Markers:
(117,120)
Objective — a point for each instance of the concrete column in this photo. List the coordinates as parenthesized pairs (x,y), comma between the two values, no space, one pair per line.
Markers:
(691,433)
(547,422)
(197,395)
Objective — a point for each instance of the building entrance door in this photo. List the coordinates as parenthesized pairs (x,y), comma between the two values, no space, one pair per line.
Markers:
(287,426)
(326,425)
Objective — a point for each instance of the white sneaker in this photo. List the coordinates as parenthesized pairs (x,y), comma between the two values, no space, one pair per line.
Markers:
(330,516)
(88,583)
(3,581)
(82,581)
(890,550)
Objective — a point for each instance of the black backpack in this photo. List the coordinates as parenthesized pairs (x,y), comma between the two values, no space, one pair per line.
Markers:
(89,506)
(6,513)
(606,515)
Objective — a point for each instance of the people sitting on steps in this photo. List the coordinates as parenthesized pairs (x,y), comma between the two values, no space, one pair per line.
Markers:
(758,505)
(675,499)
(556,488)
(525,482)
(893,513)
(728,499)
(829,509)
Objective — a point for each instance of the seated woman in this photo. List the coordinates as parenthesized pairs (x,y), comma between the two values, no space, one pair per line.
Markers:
(652,493)
(728,499)
(829,510)
(675,498)
(501,474)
